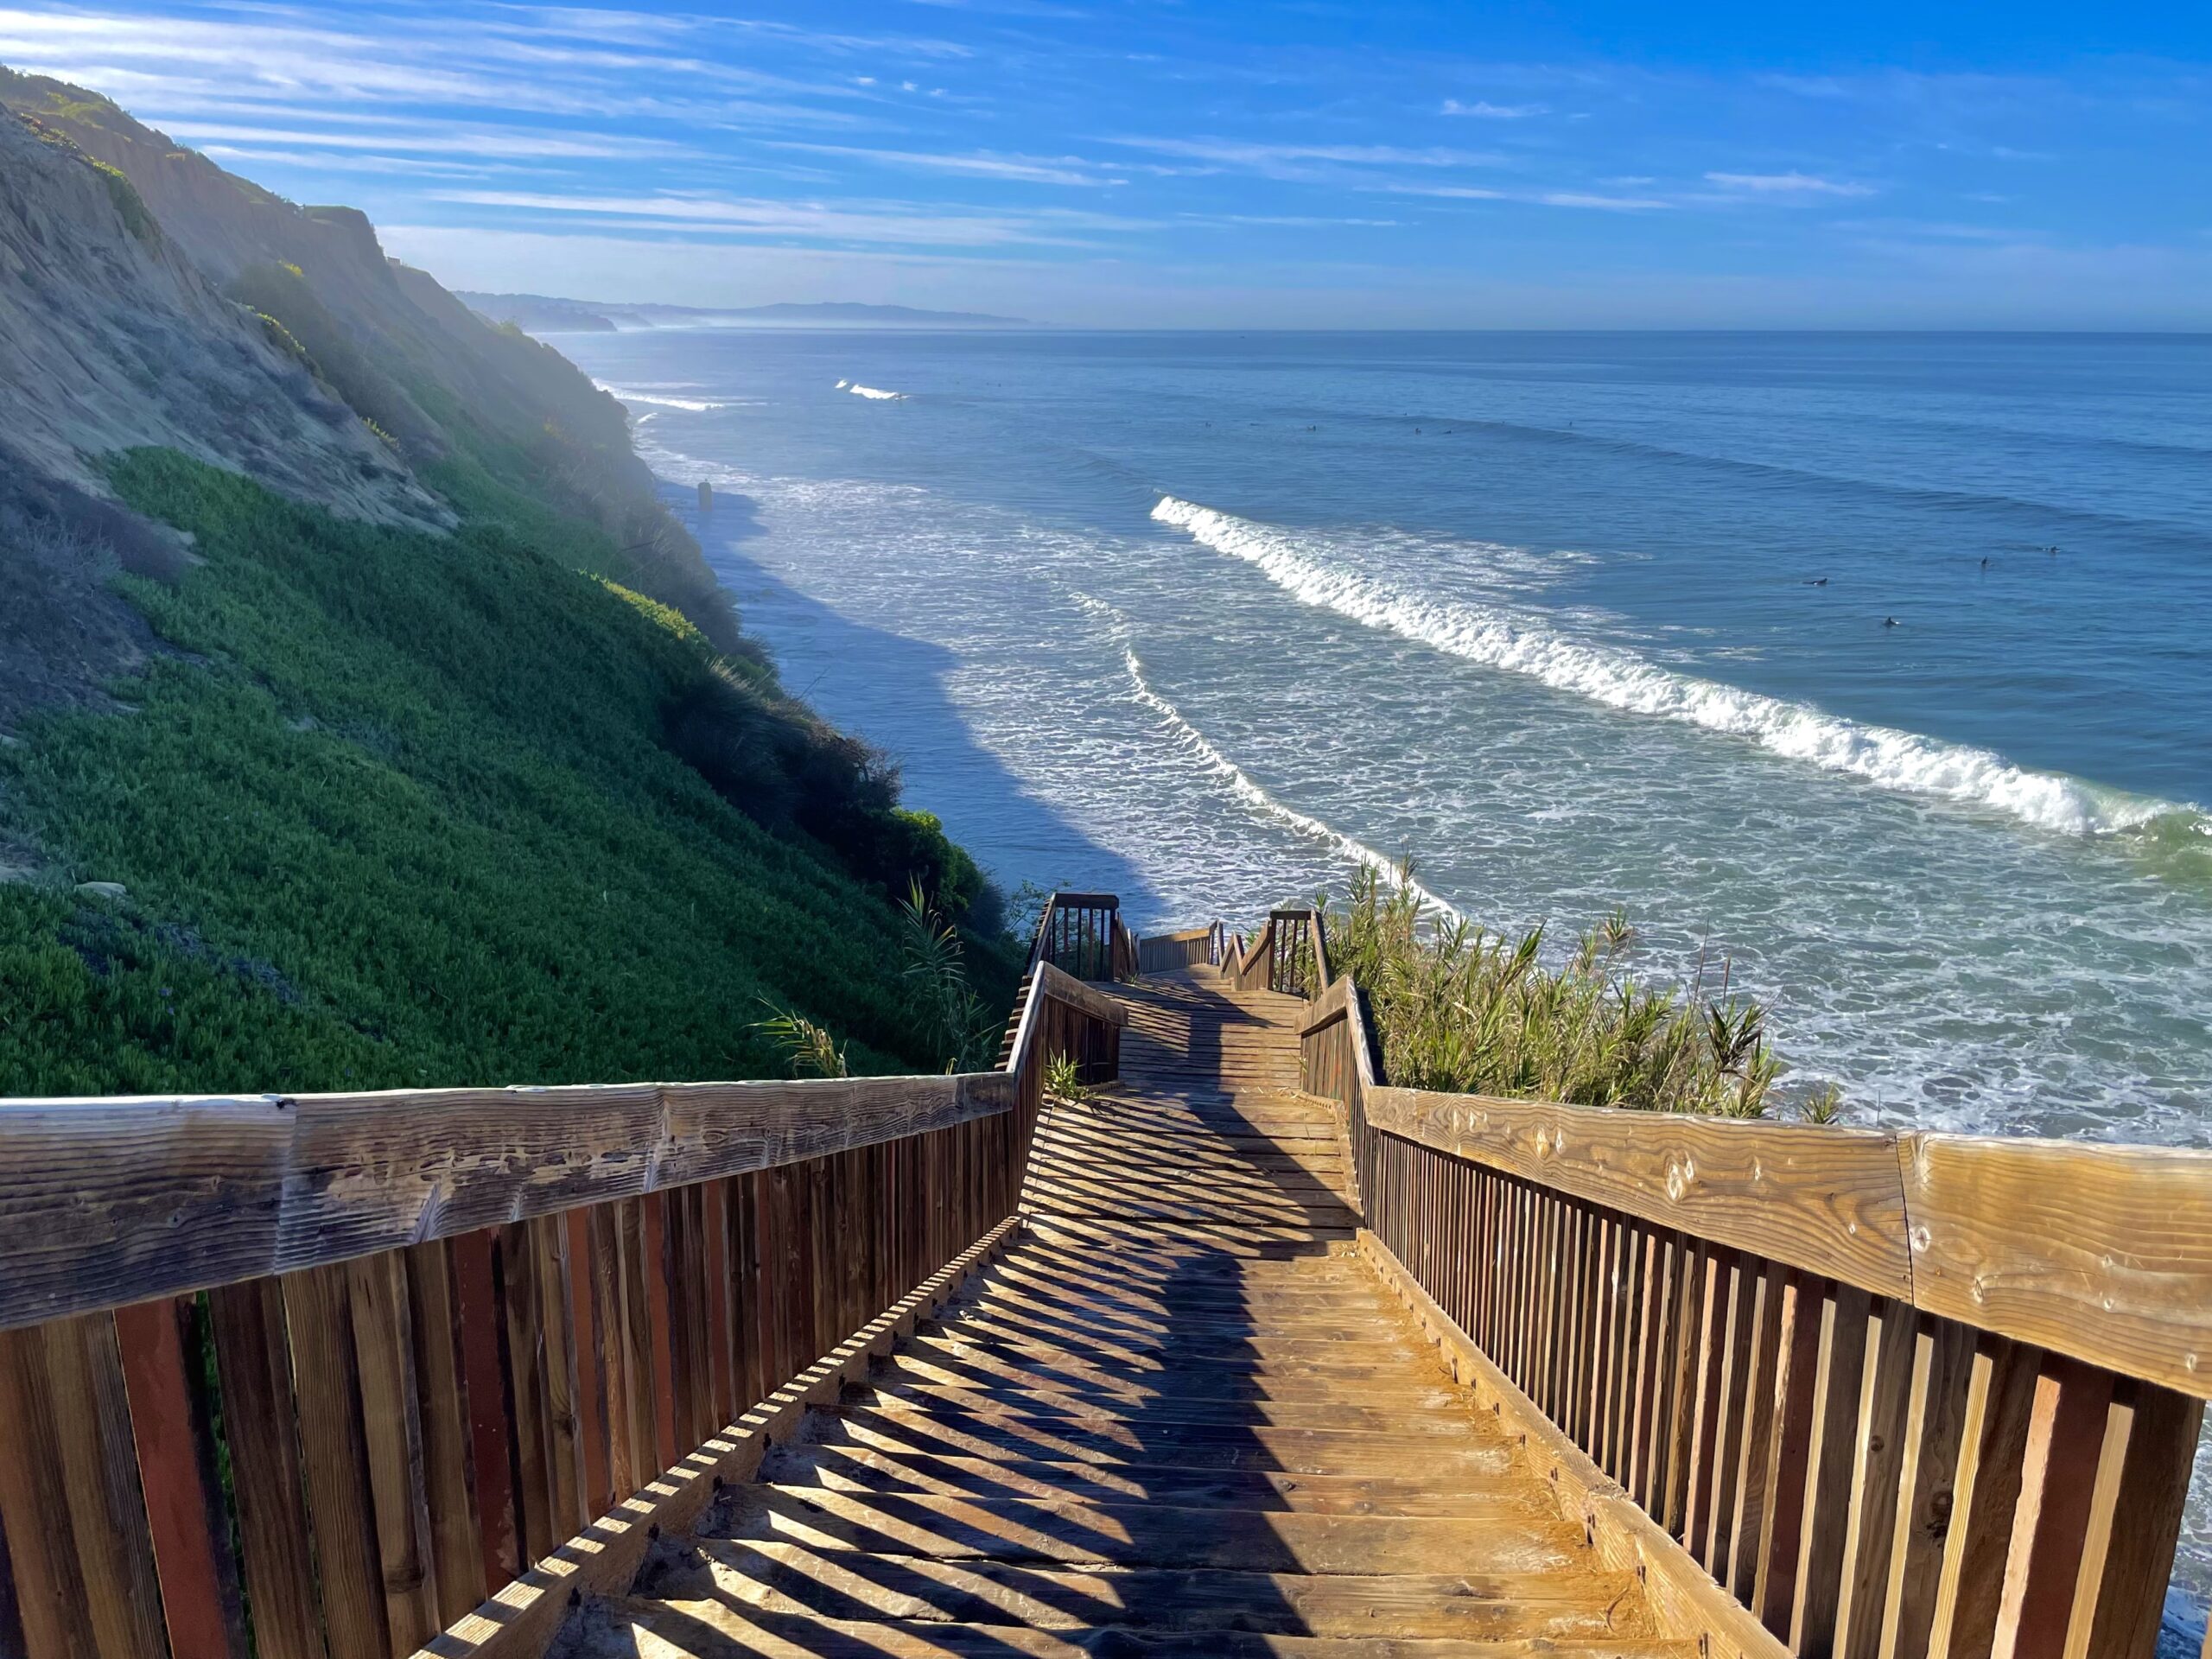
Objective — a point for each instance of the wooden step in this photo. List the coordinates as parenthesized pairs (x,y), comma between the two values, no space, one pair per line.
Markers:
(1452,1421)
(1187,1446)
(794,1580)
(866,1469)
(1511,1528)
(949,1365)
(712,1629)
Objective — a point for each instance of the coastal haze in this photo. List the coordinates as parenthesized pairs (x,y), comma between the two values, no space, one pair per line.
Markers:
(1860,670)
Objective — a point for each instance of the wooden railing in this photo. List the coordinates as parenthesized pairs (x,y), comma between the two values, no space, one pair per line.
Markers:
(1083,934)
(345,1367)
(1826,1391)
(1167,953)
(1288,954)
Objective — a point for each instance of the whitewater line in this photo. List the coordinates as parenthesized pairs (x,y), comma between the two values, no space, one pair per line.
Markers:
(1191,739)
(1883,755)
(694,405)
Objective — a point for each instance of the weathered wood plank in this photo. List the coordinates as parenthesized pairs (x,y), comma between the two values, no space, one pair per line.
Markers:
(177,1472)
(113,1202)
(523,1309)
(2101,1253)
(1831,1464)
(456,1547)
(1936,1412)
(1828,1201)
(2066,1434)
(333,1452)
(91,1420)
(1992,1440)
(49,1583)
(277,1566)
(2127,1556)
(484,1377)
(392,1438)
(1884,1401)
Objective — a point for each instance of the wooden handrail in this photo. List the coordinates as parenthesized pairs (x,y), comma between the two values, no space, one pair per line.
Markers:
(114,1201)
(1083,934)
(1827,1390)
(442,1331)
(1162,953)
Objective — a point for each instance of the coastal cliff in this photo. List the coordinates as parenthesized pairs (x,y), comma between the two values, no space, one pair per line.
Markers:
(366,720)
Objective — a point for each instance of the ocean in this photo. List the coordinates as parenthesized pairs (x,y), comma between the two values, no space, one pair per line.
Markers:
(1868,672)
(1867,669)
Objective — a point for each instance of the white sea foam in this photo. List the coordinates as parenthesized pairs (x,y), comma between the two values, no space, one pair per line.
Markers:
(1240,784)
(876,392)
(1302,564)
(629,395)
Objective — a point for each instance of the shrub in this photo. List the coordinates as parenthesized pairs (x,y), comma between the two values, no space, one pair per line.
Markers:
(1064,1080)
(137,218)
(1464,1011)
(397,813)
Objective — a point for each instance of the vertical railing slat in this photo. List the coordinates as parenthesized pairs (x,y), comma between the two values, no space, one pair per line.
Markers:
(1878,1465)
(1831,1457)
(332,1452)
(2050,1524)
(475,1275)
(176,1469)
(391,1433)
(1993,1439)
(522,1311)
(455,1547)
(2127,1554)
(587,1328)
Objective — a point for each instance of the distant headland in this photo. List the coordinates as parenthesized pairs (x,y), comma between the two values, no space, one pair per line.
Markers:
(539,313)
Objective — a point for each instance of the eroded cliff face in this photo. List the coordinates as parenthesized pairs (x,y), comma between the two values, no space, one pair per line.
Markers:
(435,378)
(112,338)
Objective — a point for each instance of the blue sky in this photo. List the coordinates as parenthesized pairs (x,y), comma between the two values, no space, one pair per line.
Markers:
(1135,162)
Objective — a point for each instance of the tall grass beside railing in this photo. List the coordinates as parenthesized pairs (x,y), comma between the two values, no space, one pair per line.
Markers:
(1462,1010)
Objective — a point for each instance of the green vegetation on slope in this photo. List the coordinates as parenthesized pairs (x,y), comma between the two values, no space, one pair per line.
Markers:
(406,810)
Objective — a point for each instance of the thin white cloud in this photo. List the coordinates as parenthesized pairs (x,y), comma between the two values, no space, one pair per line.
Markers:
(1787,184)
(1486,110)
(1233,153)
(236,157)
(1602,204)
(904,224)
(448,141)
(1536,198)
(1028,169)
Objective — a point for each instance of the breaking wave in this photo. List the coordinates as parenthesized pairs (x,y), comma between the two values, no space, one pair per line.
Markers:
(1300,564)
(1195,742)
(624,395)
(876,392)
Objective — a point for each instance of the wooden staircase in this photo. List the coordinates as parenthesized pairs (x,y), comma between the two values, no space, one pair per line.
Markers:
(1180,1417)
